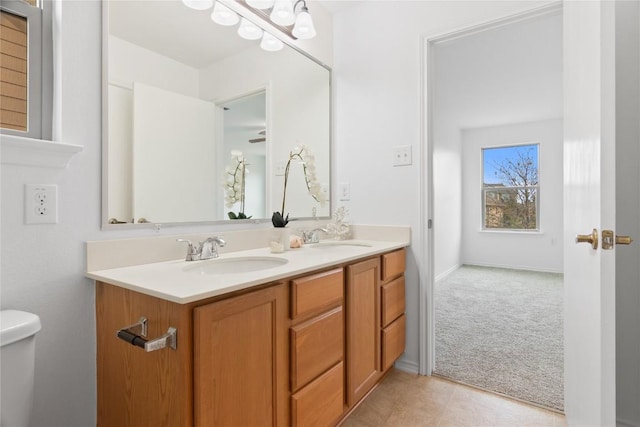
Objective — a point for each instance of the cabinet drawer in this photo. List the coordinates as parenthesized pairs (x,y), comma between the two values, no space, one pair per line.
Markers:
(320,403)
(392,300)
(317,292)
(316,345)
(393,337)
(393,264)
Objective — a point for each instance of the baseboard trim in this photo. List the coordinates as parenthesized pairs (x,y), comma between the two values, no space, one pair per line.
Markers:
(407,366)
(448,272)
(513,267)
(626,423)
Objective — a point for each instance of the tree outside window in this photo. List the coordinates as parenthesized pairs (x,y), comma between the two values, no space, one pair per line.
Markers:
(510,187)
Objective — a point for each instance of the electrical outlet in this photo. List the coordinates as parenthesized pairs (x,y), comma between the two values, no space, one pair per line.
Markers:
(402,155)
(280,168)
(344,190)
(41,203)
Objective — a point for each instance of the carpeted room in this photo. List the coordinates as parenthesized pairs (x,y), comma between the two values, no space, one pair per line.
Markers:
(498,289)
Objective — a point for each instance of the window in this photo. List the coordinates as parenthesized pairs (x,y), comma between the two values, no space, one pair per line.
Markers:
(510,188)
(26,76)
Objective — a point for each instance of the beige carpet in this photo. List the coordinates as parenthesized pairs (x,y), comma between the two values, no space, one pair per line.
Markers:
(501,330)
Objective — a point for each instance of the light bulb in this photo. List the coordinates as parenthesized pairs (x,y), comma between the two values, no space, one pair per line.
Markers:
(282,13)
(260,4)
(198,4)
(271,43)
(303,28)
(248,30)
(223,15)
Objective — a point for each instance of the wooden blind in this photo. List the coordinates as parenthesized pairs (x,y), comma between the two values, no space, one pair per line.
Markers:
(13,71)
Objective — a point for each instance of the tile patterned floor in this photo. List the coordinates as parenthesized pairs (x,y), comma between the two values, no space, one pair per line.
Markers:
(408,400)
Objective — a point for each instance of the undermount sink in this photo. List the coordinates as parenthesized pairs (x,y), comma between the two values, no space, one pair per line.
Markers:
(332,244)
(234,265)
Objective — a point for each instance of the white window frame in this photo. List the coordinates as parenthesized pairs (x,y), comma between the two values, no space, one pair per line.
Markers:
(485,189)
(39,66)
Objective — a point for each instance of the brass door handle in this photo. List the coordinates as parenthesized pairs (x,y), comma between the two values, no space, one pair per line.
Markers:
(589,238)
(609,240)
(623,240)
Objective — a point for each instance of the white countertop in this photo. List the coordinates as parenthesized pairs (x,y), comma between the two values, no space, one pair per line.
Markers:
(172,280)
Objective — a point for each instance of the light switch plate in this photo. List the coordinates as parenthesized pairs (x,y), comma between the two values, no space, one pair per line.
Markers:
(402,155)
(281,168)
(344,191)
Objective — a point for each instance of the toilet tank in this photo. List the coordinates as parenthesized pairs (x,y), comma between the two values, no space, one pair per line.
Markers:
(17,355)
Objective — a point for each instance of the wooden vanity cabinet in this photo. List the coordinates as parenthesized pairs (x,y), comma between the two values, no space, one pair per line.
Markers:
(302,352)
(230,366)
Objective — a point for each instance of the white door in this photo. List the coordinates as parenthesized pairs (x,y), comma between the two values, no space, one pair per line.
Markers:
(173,136)
(589,202)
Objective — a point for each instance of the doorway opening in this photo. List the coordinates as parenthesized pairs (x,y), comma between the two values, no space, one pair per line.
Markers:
(244,136)
(496,272)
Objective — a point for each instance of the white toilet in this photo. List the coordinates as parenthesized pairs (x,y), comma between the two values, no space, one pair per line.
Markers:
(17,354)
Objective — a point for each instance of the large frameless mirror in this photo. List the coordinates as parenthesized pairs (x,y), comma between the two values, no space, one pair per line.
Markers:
(185,98)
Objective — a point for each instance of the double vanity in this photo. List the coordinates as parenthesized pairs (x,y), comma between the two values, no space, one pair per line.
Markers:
(297,338)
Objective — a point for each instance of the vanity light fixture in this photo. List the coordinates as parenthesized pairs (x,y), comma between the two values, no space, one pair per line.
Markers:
(223,15)
(261,4)
(248,30)
(271,43)
(198,4)
(303,27)
(282,13)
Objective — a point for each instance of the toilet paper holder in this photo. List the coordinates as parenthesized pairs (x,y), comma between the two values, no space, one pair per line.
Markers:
(136,335)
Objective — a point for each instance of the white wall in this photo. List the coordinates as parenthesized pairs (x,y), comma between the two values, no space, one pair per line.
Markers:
(541,250)
(130,63)
(377,89)
(628,213)
(43,265)
(447,198)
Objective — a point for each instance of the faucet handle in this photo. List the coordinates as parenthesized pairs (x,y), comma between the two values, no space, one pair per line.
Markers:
(310,236)
(209,248)
(219,240)
(191,250)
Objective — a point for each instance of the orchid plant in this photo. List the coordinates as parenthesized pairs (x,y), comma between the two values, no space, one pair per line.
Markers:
(304,156)
(234,184)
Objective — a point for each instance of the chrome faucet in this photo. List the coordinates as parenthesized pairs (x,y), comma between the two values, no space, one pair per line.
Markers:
(204,250)
(312,235)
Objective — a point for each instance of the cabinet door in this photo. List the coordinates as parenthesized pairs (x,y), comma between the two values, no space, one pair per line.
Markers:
(240,360)
(363,328)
